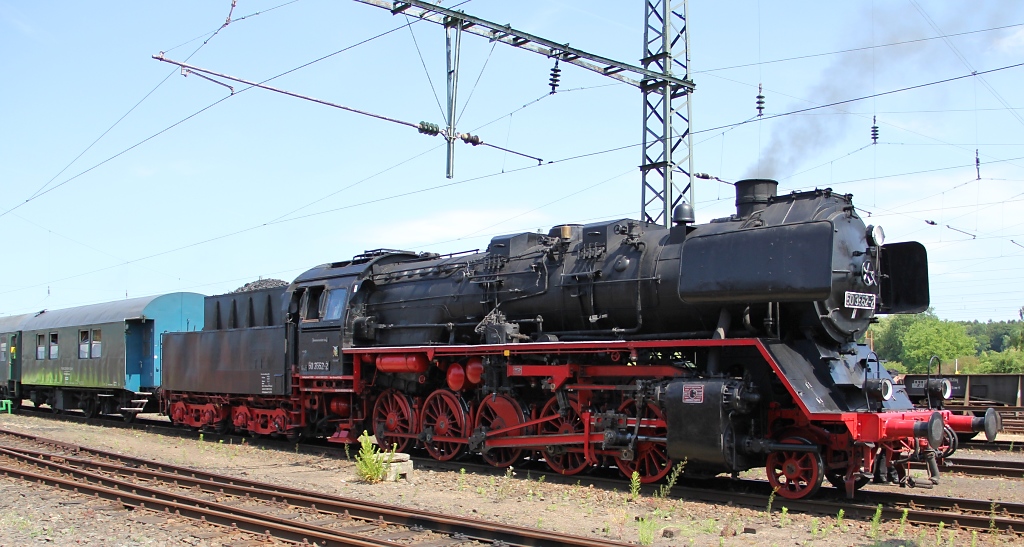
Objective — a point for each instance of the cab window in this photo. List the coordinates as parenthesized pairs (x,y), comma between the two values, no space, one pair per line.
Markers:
(313,304)
(335,304)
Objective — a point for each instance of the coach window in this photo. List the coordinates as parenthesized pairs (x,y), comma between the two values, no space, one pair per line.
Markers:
(335,304)
(53,345)
(3,352)
(83,344)
(40,347)
(97,344)
(314,303)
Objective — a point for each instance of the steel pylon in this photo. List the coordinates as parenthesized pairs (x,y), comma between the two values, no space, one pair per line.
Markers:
(667,146)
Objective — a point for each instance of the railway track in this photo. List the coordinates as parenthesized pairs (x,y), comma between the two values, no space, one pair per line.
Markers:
(921,508)
(994,446)
(257,508)
(973,514)
(984,467)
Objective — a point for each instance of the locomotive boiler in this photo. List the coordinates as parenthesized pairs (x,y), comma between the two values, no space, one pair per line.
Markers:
(726,345)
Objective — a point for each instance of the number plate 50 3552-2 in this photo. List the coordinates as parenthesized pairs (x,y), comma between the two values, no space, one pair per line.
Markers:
(860,300)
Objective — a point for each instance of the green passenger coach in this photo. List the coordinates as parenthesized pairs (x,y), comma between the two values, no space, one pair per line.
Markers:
(101,358)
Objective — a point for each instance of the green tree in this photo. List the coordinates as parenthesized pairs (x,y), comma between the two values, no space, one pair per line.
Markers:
(994,335)
(1008,360)
(931,336)
(890,331)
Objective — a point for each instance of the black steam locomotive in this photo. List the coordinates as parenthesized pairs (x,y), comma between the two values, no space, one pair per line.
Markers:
(729,345)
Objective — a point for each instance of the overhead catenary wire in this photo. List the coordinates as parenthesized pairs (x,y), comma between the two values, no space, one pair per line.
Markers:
(421,154)
(211,105)
(423,62)
(856,49)
(841,112)
(314,214)
(425,128)
(855,99)
(931,22)
(227,21)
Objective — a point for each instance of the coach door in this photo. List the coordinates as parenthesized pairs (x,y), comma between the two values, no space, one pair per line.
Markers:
(138,353)
(9,366)
(321,315)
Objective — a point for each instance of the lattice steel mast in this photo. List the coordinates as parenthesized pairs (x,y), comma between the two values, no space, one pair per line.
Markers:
(667,146)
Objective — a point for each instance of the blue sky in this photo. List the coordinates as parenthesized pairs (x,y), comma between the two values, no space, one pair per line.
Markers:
(263,185)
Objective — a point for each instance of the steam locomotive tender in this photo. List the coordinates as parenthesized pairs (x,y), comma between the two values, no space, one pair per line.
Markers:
(728,345)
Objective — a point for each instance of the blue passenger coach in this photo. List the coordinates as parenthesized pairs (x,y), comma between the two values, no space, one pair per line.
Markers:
(101,358)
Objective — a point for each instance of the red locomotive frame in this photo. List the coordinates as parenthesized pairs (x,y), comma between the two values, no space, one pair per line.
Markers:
(571,438)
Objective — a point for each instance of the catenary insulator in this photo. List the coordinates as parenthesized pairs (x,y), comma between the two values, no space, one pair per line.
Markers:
(428,128)
(874,130)
(555,71)
(760,102)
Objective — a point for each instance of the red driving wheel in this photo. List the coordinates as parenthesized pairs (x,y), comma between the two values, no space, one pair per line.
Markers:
(650,459)
(563,459)
(500,412)
(444,415)
(392,414)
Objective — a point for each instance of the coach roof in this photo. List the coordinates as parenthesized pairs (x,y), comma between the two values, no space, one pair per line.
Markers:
(107,312)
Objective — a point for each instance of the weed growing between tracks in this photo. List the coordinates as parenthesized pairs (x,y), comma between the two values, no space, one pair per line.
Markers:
(876,521)
(371,464)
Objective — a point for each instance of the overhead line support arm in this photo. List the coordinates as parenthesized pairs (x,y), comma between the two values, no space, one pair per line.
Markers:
(522,40)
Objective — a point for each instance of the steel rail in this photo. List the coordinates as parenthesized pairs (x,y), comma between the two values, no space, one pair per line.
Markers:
(999,445)
(180,505)
(412,518)
(920,509)
(984,467)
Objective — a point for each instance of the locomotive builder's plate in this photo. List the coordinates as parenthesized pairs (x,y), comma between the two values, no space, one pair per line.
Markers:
(859,300)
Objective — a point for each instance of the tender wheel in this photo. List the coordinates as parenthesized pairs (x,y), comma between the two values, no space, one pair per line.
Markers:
(499,412)
(563,459)
(392,414)
(128,417)
(444,414)
(651,459)
(222,426)
(90,408)
(792,474)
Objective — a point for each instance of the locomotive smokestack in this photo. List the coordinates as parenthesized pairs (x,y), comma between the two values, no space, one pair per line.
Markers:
(752,195)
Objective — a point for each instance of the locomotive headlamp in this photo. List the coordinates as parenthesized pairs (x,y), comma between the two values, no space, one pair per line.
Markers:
(876,236)
(940,387)
(880,388)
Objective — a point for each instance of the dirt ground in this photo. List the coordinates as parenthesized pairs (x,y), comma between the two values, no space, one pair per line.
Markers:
(32,514)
